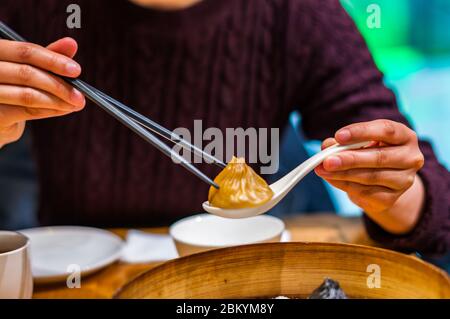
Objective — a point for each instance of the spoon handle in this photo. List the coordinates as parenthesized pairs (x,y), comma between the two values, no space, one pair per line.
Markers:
(286,183)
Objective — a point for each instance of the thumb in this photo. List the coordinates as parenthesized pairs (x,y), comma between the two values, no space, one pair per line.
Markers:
(65,46)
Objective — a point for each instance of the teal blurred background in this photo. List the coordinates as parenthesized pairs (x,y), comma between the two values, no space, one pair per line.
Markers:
(412,48)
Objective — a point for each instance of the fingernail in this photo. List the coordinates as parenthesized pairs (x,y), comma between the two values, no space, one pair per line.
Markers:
(343,135)
(77,96)
(73,68)
(334,162)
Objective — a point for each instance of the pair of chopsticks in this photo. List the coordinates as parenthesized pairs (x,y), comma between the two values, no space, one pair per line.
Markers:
(135,121)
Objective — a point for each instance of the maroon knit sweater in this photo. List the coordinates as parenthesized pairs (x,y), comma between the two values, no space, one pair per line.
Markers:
(231,63)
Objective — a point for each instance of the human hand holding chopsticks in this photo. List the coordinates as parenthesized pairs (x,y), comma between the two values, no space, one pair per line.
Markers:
(139,124)
(28,91)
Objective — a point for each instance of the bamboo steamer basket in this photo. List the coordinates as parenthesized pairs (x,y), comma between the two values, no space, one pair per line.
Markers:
(290,269)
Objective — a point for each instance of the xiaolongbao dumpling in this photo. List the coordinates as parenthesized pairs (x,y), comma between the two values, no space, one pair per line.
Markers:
(240,187)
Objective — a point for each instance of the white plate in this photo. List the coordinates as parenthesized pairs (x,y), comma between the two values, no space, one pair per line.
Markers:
(54,249)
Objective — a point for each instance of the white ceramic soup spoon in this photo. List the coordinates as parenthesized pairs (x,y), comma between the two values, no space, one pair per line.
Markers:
(283,185)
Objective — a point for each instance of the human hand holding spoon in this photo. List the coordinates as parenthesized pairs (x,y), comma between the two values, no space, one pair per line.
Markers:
(281,187)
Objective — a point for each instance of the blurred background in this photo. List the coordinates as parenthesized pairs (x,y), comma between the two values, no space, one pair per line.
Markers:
(411,47)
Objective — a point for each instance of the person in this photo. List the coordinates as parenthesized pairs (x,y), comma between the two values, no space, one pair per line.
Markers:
(231,63)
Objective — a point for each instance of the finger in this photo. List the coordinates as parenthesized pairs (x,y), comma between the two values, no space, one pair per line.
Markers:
(12,114)
(328,142)
(390,178)
(12,133)
(380,157)
(29,76)
(33,98)
(64,46)
(27,53)
(369,198)
(379,130)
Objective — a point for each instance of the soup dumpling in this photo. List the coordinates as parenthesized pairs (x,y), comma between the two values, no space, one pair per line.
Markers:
(240,187)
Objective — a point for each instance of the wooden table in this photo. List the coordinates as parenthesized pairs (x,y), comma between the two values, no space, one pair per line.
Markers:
(103,284)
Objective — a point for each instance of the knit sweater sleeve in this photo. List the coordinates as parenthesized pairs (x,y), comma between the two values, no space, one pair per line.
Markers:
(343,86)
(9,11)
(431,236)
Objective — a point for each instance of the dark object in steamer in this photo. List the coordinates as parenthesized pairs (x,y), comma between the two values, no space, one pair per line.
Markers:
(329,289)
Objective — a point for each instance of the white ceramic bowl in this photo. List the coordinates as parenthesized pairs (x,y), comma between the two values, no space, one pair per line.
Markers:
(204,232)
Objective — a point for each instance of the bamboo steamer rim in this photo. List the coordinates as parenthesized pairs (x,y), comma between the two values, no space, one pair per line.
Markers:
(215,253)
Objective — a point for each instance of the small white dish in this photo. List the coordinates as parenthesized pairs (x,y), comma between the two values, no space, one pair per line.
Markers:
(203,232)
(54,249)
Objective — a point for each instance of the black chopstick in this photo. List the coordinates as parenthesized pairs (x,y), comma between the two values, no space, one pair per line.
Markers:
(93,95)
